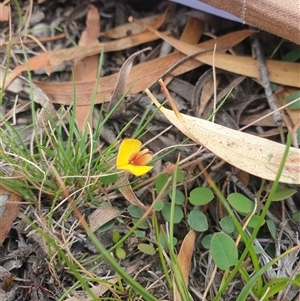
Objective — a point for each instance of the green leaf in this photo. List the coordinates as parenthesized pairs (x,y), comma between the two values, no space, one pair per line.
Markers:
(116,236)
(200,196)
(106,226)
(179,197)
(110,179)
(253,223)
(296,216)
(120,253)
(160,182)
(223,251)
(159,205)
(272,228)
(142,225)
(292,97)
(140,233)
(178,213)
(164,242)
(206,241)
(146,249)
(257,249)
(292,56)
(197,220)
(180,176)
(135,211)
(240,203)
(227,224)
(283,194)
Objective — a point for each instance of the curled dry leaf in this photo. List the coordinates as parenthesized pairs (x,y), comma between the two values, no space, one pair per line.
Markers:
(101,216)
(184,261)
(257,156)
(128,194)
(120,88)
(9,208)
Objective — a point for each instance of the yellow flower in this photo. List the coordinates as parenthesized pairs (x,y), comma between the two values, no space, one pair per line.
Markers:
(132,159)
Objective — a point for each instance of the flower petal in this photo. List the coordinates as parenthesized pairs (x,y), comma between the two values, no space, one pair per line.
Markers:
(143,157)
(136,170)
(128,149)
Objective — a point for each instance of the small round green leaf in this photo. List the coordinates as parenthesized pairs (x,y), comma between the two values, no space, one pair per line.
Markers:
(115,236)
(257,249)
(140,233)
(159,205)
(240,203)
(160,182)
(142,225)
(283,194)
(135,211)
(146,249)
(120,252)
(180,176)
(227,224)
(164,242)
(206,241)
(223,251)
(197,220)
(253,223)
(178,213)
(179,197)
(200,196)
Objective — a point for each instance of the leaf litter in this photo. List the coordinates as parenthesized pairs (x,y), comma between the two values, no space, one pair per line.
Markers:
(128,42)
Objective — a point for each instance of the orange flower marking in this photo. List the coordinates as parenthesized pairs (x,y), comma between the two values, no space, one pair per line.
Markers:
(132,159)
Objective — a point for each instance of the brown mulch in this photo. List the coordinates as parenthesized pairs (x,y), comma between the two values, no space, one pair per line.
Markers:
(24,254)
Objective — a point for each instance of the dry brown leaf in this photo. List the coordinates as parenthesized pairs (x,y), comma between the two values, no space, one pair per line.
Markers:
(121,84)
(4,13)
(142,75)
(9,209)
(53,58)
(184,261)
(101,216)
(87,68)
(83,51)
(257,156)
(284,73)
(128,194)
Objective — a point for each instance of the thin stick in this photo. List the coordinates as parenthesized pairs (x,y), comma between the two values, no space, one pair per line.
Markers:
(169,98)
(265,81)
